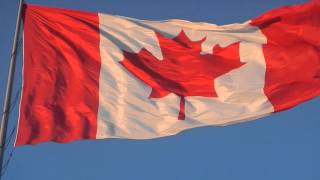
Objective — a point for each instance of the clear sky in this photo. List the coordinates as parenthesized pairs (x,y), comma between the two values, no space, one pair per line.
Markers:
(283,146)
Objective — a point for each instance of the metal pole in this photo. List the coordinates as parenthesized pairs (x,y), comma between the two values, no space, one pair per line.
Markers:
(7,98)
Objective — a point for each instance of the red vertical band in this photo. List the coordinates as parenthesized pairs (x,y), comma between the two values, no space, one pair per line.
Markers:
(60,96)
(292,54)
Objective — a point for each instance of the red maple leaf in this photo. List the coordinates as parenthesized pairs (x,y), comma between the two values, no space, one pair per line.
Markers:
(183,70)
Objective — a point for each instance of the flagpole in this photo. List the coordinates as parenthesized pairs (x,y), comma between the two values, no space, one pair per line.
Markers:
(7,98)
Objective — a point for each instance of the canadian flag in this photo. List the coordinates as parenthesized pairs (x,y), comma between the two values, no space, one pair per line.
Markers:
(94,76)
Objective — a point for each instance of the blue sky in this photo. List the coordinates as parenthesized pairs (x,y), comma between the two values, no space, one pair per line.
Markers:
(282,146)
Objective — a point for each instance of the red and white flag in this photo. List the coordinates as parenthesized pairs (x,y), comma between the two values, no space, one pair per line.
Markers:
(95,76)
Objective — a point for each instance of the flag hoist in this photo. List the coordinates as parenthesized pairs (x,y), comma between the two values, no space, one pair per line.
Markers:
(8,93)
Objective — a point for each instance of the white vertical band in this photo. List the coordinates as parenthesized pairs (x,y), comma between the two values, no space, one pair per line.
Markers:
(125,111)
